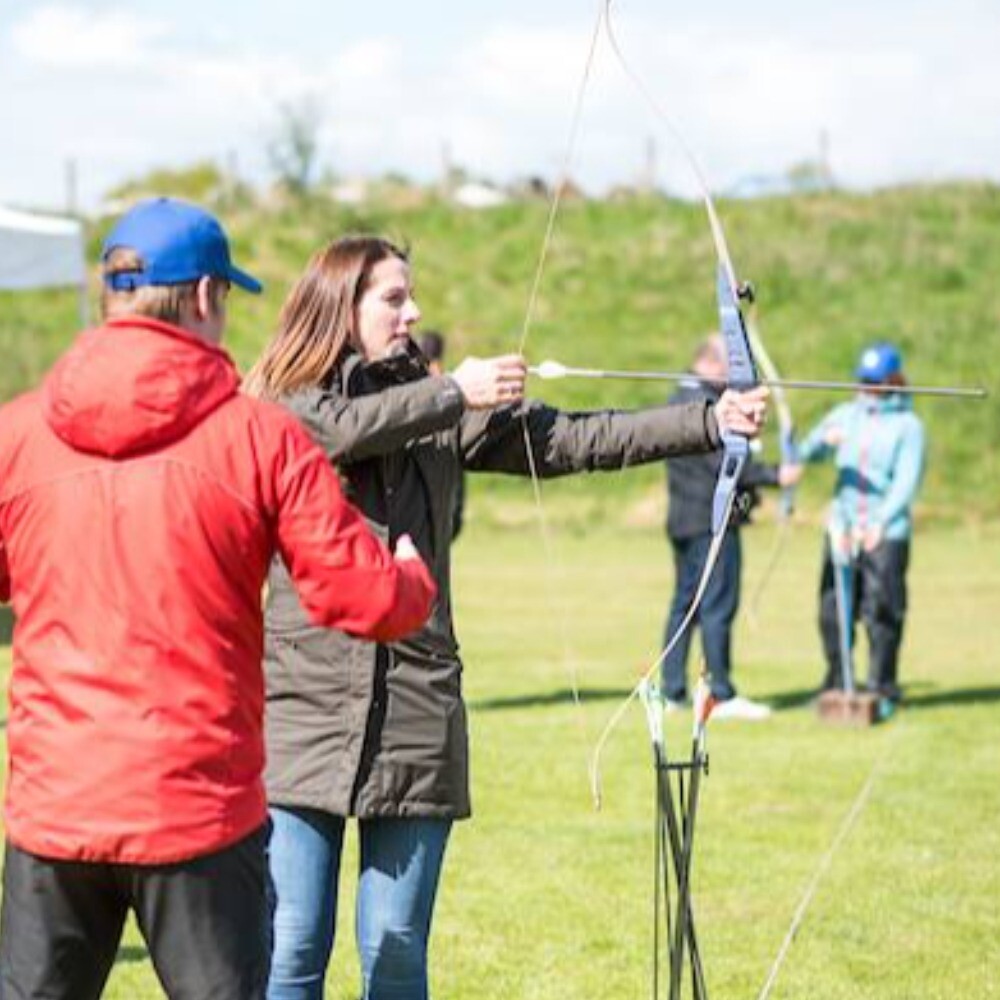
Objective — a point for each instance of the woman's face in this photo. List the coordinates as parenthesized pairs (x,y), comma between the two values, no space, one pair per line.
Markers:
(387,311)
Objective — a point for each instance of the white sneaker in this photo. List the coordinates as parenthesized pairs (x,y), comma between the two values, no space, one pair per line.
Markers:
(671,707)
(741,708)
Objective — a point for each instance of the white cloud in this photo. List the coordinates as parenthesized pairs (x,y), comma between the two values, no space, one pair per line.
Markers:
(62,37)
(753,101)
(521,68)
(371,60)
(247,83)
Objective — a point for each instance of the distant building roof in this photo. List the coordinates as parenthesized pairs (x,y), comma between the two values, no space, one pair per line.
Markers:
(351,192)
(475,194)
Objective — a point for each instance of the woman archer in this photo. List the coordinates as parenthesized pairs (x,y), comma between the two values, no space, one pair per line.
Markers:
(378,731)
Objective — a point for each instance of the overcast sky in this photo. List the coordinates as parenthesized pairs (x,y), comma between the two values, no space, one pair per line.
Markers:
(905,89)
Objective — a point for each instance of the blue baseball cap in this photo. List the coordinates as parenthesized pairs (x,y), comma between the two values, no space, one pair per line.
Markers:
(878,362)
(178,242)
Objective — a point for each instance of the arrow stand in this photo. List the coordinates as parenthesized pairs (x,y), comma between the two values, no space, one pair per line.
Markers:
(846,706)
(677,787)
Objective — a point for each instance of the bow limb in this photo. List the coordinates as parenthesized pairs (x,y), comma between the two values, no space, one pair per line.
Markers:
(786,423)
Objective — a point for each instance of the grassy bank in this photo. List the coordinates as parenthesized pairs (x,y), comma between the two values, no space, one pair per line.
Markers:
(631,284)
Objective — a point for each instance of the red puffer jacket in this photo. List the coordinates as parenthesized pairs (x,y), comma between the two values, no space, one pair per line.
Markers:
(141,501)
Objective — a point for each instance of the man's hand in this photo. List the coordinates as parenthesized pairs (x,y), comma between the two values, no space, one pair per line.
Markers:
(834,436)
(405,550)
(789,475)
(489,382)
(742,412)
(843,544)
(872,537)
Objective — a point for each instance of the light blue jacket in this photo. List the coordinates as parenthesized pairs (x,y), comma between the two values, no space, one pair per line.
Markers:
(880,462)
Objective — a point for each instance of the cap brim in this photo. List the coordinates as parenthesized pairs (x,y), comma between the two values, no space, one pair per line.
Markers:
(245,281)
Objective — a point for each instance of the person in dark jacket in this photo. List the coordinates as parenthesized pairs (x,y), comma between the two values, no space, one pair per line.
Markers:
(691,483)
(384,738)
(141,500)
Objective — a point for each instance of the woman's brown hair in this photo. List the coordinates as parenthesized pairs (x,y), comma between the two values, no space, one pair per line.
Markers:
(317,320)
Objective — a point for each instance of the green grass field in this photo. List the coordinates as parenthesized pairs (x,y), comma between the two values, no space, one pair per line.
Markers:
(545,899)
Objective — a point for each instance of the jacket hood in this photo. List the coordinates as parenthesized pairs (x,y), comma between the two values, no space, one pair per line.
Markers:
(398,369)
(135,384)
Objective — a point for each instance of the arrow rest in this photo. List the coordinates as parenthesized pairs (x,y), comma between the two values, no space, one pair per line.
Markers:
(743,504)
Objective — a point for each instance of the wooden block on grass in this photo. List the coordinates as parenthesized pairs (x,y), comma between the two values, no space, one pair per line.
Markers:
(848,708)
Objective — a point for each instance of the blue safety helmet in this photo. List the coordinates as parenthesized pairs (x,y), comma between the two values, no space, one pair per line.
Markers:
(879,362)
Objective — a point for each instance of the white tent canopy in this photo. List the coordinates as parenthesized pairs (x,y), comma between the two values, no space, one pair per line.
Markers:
(38,251)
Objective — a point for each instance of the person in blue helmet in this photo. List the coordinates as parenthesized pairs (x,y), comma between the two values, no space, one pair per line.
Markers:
(879,447)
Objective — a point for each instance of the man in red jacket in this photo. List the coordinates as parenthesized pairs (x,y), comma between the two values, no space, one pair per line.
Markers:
(142,498)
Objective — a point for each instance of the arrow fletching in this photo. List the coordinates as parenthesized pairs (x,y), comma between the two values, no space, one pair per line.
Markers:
(704,703)
(550,370)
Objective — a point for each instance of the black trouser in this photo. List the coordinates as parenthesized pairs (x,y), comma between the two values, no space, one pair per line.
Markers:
(205,921)
(879,586)
(714,617)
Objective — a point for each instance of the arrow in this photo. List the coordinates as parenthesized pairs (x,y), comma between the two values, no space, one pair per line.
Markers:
(549,370)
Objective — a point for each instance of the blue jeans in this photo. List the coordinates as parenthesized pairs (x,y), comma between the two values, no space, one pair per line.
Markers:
(400,866)
(714,616)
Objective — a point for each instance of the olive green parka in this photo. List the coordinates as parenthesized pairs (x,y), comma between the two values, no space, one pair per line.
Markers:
(360,729)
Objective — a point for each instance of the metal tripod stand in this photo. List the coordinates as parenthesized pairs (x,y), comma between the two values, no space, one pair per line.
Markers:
(677,792)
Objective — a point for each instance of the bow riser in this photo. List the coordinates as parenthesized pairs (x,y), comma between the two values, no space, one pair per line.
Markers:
(742,376)
(742,368)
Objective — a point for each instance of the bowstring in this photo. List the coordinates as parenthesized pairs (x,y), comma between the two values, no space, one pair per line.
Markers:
(555,203)
(612,723)
(725,261)
(551,560)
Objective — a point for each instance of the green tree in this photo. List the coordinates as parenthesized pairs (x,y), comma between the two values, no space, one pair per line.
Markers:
(293,151)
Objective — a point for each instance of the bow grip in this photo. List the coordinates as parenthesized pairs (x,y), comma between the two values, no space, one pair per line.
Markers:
(736,450)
